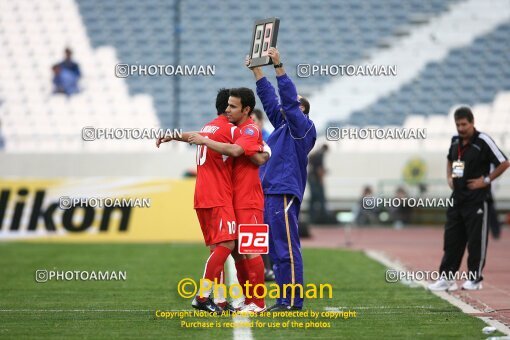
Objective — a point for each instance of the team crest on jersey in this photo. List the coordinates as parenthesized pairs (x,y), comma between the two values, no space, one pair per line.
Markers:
(249,131)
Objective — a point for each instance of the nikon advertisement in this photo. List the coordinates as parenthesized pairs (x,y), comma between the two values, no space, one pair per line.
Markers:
(98,209)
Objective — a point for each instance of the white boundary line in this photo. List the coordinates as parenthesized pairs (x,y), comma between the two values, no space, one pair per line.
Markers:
(464,307)
(243,333)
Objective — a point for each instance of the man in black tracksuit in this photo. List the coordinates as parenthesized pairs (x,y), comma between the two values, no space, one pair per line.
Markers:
(469,158)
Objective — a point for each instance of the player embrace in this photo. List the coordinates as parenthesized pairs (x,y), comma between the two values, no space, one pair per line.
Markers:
(248,195)
(224,184)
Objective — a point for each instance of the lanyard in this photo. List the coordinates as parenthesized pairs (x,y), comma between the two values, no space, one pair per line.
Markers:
(461,151)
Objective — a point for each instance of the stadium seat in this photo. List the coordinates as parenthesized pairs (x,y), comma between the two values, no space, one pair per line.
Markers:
(450,81)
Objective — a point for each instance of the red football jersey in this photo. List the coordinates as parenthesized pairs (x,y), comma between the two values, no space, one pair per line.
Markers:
(247,188)
(213,187)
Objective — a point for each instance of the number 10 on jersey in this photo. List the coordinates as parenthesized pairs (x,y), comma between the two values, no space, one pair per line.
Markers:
(201,153)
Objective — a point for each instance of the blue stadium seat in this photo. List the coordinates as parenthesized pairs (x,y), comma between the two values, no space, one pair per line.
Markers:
(206,34)
(473,74)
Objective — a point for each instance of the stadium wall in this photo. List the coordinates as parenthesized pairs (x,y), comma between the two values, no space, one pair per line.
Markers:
(347,172)
(98,209)
(373,166)
(31,186)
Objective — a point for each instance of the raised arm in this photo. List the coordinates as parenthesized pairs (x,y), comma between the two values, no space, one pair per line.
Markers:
(267,95)
(298,122)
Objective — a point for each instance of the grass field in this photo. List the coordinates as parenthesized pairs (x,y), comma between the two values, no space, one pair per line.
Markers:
(126,309)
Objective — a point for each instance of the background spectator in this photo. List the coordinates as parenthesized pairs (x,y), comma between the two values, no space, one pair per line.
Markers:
(69,64)
(401,215)
(317,209)
(365,216)
(66,75)
(258,117)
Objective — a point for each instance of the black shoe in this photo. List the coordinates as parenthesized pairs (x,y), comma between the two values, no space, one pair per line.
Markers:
(283,308)
(226,307)
(208,305)
(277,308)
(269,275)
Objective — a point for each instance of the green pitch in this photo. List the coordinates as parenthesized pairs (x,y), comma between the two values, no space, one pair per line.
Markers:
(126,309)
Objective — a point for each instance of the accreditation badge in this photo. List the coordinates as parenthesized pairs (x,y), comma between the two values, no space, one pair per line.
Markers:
(457,169)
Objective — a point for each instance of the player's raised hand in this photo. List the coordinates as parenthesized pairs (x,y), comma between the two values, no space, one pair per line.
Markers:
(257,71)
(162,140)
(197,139)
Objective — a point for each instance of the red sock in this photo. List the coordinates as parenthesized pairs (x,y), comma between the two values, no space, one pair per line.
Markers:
(243,276)
(256,267)
(215,264)
(220,299)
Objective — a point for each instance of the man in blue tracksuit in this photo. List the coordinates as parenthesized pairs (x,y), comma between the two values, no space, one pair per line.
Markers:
(284,177)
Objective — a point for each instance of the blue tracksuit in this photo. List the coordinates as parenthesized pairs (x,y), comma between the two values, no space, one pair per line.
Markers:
(284,179)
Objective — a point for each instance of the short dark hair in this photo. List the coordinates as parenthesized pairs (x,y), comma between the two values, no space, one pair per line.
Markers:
(258,113)
(464,112)
(367,189)
(303,101)
(246,95)
(222,100)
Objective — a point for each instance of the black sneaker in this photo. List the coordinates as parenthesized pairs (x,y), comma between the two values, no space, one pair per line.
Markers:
(269,275)
(225,306)
(282,308)
(275,306)
(207,305)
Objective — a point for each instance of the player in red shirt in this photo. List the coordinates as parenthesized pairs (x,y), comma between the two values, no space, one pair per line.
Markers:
(248,194)
(214,197)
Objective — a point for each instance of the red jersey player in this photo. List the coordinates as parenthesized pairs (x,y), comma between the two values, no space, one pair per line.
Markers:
(248,194)
(213,198)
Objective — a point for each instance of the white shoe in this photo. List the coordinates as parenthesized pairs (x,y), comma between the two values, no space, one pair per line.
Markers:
(238,305)
(253,308)
(472,285)
(443,285)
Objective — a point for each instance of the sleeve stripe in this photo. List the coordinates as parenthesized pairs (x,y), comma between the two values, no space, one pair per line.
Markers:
(494,148)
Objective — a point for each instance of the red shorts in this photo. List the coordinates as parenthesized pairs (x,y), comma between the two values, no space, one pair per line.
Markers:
(249,216)
(218,224)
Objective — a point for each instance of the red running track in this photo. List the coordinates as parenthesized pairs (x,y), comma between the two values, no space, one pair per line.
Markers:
(420,248)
